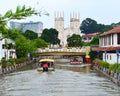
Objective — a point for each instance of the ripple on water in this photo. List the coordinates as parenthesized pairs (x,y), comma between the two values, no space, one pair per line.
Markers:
(58,83)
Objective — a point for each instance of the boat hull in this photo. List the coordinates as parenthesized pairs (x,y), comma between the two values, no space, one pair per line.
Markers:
(75,63)
(42,69)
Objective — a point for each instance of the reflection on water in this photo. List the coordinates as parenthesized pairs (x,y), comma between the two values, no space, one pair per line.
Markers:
(66,80)
(75,68)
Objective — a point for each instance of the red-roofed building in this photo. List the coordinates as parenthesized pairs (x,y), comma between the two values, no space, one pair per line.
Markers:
(88,37)
(109,45)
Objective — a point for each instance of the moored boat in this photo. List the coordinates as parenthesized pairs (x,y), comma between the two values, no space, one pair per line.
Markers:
(46,65)
(76,60)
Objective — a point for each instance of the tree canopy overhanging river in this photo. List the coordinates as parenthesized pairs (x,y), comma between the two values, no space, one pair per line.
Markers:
(64,81)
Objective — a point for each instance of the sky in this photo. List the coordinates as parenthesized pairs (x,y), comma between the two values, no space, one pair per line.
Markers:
(102,11)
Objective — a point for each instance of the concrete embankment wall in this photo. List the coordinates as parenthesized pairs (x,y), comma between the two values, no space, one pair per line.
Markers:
(111,76)
(11,69)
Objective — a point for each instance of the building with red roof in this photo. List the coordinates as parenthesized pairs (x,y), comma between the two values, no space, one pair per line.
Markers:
(88,37)
(109,45)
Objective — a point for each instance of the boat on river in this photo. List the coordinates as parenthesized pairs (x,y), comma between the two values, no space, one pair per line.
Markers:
(46,65)
(76,60)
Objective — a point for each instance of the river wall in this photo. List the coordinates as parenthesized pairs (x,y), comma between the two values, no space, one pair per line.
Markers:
(109,74)
(10,69)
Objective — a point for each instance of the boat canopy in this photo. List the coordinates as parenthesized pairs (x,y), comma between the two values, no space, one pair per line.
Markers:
(46,60)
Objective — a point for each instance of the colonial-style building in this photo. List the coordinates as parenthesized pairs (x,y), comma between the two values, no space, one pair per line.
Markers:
(64,33)
(109,45)
(7,52)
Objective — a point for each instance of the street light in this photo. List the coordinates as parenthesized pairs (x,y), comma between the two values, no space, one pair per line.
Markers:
(117,53)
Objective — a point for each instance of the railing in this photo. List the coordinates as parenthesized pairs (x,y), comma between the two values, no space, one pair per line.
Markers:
(83,49)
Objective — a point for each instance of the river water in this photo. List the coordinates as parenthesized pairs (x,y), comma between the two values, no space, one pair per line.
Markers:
(66,80)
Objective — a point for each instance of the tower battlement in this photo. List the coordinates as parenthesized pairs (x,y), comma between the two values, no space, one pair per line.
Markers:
(63,32)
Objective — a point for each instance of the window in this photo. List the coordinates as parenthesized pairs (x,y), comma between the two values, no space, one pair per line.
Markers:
(3,46)
(85,38)
(110,57)
(112,40)
(107,57)
(109,39)
(89,38)
(118,38)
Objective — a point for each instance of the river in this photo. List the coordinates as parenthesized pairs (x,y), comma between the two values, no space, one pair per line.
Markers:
(66,80)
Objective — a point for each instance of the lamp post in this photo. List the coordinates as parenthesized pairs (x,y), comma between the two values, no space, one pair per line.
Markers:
(105,54)
(117,53)
(98,53)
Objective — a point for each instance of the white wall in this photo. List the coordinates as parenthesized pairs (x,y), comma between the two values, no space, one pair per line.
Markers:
(6,52)
(111,58)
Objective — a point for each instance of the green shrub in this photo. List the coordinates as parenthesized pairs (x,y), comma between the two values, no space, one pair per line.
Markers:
(4,63)
(112,67)
(12,61)
(118,69)
(102,63)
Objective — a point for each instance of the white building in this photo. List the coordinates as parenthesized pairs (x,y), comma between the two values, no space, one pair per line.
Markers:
(33,26)
(88,37)
(7,52)
(64,33)
(109,45)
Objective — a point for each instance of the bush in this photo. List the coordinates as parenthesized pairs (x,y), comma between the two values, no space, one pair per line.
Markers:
(118,69)
(4,63)
(112,67)
(12,61)
(102,63)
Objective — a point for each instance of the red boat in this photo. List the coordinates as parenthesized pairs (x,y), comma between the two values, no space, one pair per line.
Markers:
(76,61)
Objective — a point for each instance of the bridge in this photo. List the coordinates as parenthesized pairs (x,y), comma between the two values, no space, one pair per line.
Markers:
(83,51)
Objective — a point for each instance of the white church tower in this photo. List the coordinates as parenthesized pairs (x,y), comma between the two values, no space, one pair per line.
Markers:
(75,23)
(64,33)
(59,26)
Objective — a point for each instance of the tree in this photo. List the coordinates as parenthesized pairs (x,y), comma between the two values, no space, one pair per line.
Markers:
(40,43)
(24,46)
(30,34)
(74,41)
(50,36)
(21,13)
(12,34)
(88,26)
(95,40)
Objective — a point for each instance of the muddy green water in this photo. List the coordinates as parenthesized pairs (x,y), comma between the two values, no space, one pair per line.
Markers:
(66,80)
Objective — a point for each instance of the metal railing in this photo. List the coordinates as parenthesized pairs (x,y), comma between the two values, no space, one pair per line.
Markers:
(82,49)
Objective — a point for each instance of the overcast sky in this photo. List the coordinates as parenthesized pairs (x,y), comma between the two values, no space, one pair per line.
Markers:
(102,11)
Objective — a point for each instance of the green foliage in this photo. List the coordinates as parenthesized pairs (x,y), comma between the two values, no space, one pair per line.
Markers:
(112,67)
(12,61)
(118,69)
(102,63)
(24,46)
(40,43)
(93,54)
(74,41)
(21,60)
(95,40)
(86,44)
(50,36)
(13,34)
(90,26)
(20,13)
(4,62)
(30,34)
